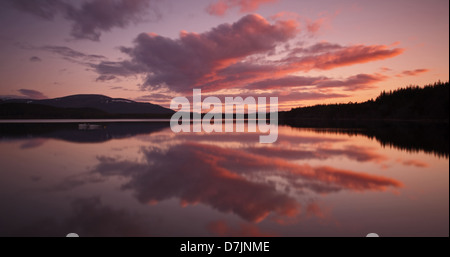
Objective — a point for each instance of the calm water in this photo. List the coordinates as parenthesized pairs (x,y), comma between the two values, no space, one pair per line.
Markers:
(141,179)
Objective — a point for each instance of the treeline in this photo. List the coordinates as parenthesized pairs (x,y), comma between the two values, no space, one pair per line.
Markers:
(429,103)
(37,111)
(70,132)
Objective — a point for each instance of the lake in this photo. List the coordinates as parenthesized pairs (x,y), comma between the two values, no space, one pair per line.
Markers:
(141,179)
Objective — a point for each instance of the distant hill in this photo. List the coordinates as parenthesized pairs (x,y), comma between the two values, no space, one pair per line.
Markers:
(429,103)
(80,106)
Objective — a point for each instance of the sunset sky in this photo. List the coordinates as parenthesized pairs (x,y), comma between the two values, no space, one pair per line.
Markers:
(304,52)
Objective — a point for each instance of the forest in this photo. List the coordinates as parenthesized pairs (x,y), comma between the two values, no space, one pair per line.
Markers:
(412,103)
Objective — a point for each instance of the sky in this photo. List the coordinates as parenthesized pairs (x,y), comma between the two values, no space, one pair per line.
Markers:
(304,52)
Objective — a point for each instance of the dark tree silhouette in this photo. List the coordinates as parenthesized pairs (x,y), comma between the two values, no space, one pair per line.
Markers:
(429,103)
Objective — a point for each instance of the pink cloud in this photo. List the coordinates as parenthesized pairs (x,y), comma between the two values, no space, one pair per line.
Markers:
(353,152)
(413,72)
(236,56)
(286,82)
(221,7)
(385,69)
(342,56)
(321,56)
(354,83)
(314,26)
(194,60)
(416,163)
(311,26)
(314,209)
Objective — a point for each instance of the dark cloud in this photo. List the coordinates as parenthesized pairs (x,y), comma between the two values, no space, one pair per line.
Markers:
(124,69)
(32,94)
(46,9)
(73,182)
(69,53)
(92,17)
(156,98)
(97,16)
(105,78)
(91,61)
(35,59)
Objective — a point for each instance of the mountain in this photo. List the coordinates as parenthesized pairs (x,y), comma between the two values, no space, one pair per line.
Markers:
(80,106)
(99,102)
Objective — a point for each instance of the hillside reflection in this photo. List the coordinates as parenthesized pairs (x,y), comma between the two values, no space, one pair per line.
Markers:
(410,136)
(142,179)
(430,138)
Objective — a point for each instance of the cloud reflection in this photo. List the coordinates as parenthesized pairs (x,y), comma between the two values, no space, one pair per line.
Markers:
(223,229)
(33,143)
(89,218)
(232,181)
(352,152)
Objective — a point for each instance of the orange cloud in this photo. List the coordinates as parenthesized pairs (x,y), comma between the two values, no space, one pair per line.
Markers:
(413,72)
(344,56)
(221,7)
(314,209)
(314,26)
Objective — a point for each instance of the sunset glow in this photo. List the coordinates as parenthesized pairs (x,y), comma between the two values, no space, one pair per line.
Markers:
(304,52)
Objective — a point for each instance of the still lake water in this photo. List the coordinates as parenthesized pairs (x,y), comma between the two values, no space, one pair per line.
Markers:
(141,179)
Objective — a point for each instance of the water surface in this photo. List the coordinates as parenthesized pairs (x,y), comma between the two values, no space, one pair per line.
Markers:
(141,179)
